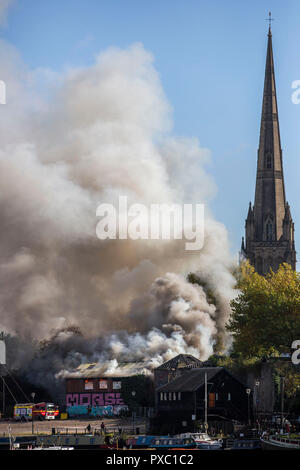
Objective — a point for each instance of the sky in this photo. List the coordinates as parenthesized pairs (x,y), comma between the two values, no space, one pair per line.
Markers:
(210,55)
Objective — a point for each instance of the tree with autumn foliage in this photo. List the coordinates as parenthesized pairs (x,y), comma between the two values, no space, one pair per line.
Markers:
(266,313)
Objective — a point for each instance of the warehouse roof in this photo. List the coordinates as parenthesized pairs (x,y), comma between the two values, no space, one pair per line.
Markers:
(109,369)
(181,361)
(191,380)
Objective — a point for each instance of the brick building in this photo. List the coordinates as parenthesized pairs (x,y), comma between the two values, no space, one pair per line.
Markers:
(91,391)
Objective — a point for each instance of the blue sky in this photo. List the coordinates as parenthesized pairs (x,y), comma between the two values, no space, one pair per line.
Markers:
(210,55)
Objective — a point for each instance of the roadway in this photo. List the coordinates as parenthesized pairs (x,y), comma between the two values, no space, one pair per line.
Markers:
(70,426)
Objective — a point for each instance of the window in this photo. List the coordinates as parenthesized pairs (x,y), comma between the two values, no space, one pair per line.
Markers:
(174,396)
(161,396)
(269,229)
(179,395)
(117,385)
(268,161)
(88,385)
(165,397)
(217,396)
(229,396)
(170,396)
(211,400)
(103,384)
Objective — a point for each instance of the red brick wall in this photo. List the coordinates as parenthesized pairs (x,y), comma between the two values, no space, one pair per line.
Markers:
(77,385)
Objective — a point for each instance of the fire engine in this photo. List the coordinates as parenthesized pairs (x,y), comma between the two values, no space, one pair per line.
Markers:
(25,411)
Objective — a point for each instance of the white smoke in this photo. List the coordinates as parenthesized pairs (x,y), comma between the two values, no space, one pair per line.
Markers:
(70,142)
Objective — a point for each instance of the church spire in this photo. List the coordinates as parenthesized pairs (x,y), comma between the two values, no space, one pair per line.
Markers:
(265,226)
(269,192)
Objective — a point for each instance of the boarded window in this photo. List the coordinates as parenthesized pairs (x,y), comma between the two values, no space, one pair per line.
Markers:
(211,400)
(117,385)
(103,384)
(88,385)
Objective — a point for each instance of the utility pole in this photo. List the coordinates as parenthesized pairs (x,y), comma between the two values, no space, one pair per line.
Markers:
(205,402)
(2,364)
(248,391)
(133,393)
(32,413)
(282,400)
(3,396)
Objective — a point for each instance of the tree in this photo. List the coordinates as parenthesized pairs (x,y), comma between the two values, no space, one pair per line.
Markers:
(143,387)
(266,314)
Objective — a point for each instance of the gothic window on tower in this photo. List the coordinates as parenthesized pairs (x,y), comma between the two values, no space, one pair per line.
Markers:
(269,231)
(268,161)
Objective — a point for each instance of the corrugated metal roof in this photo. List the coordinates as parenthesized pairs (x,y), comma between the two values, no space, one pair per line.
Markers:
(190,380)
(181,361)
(110,369)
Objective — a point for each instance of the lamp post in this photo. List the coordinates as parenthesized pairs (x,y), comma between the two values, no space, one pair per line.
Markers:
(248,391)
(282,400)
(257,384)
(32,414)
(205,401)
(133,393)
(2,365)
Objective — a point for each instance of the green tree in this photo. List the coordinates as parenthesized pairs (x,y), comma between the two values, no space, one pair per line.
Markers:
(143,388)
(266,313)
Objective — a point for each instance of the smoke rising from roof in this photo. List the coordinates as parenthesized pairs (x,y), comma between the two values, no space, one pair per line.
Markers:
(70,142)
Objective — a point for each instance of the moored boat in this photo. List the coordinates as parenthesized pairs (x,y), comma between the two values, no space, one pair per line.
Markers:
(167,442)
(204,441)
(280,442)
(173,443)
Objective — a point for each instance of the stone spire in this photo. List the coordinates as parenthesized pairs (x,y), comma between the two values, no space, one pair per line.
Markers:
(269,225)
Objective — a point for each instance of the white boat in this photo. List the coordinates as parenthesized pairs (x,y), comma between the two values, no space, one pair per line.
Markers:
(52,448)
(204,441)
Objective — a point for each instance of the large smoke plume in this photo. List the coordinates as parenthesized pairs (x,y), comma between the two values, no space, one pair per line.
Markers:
(73,140)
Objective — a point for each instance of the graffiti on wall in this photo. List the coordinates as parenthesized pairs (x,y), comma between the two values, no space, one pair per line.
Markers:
(97,411)
(95,404)
(94,399)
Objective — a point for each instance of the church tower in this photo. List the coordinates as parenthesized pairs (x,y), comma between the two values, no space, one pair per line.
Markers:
(269,224)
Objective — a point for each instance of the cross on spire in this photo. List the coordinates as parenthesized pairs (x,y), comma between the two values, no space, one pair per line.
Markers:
(270,19)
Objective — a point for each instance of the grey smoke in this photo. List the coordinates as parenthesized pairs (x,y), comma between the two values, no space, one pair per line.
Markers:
(71,141)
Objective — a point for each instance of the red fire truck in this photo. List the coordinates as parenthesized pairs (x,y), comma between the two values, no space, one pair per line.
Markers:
(43,410)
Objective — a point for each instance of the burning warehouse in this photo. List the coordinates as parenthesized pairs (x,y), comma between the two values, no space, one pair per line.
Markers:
(95,390)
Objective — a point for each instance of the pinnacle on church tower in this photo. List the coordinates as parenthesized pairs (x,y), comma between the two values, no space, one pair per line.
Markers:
(269,225)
